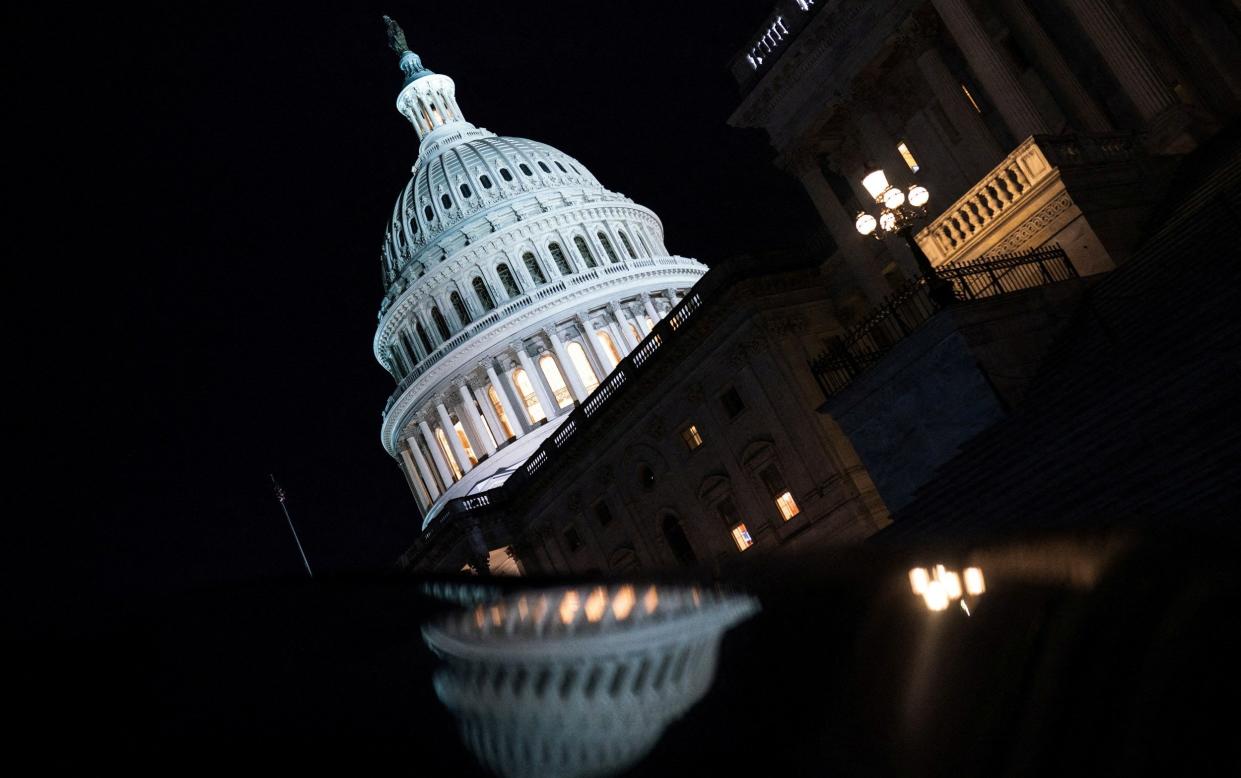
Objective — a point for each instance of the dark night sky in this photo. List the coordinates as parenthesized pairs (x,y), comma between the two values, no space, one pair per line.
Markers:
(226,176)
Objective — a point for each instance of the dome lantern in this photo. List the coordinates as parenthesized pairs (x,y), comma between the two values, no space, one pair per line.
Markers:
(427,99)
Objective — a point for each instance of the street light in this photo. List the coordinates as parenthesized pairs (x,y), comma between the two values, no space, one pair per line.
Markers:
(900,209)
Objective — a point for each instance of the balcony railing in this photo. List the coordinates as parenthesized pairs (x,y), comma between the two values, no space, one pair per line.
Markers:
(849,355)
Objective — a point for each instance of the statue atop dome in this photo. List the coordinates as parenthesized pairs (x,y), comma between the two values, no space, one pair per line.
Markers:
(396,36)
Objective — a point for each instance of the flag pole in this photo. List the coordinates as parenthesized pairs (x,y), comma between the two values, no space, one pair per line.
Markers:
(284,506)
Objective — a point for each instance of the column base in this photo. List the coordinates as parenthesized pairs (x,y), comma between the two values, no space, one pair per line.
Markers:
(1179,130)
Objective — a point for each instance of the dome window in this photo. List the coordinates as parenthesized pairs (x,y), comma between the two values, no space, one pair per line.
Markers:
(562,170)
(562,264)
(430,214)
(525,169)
(485,181)
(575,170)
(584,250)
(543,166)
(507,176)
(446,200)
(607,247)
(628,246)
(507,281)
(465,191)
(413,226)
(532,267)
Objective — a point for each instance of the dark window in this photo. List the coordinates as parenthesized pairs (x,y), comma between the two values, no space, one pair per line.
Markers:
(507,176)
(773,479)
(525,169)
(458,305)
(575,170)
(446,200)
(409,347)
(413,226)
(646,477)
(485,180)
(584,250)
(440,323)
(607,247)
(465,191)
(562,170)
(398,364)
(558,256)
(628,246)
(532,266)
(484,296)
(422,336)
(430,214)
(732,403)
(603,514)
(728,511)
(506,278)
(677,542)
(543,166)
(572,539)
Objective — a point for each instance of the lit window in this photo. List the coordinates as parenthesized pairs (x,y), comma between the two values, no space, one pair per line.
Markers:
(691,437)
(528,396)
(741,536)
(609,348)
(787,505)
(446,449)
(908,156)
(465,443)
(555,380)
(970,97)
(499,409)
(577,355)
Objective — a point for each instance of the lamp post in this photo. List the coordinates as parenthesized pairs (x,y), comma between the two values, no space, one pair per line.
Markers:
(899,211)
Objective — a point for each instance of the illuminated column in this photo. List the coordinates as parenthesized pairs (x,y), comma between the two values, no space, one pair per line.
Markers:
(516,420)
(593,346)
(437,454)
(1125,58)
(428,478)
(984,152)
(1049,59)
(623,327)
(470,420)
(538,381)
(454,442)
(650,308)
(639,321)
(992,68)
(489,416)
(567,370)
(424,499)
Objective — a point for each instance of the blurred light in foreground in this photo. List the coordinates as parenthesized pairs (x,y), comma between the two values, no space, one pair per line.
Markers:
(939,586)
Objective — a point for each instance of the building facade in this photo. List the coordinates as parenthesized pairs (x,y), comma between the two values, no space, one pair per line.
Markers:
(515,282)
(1030,121)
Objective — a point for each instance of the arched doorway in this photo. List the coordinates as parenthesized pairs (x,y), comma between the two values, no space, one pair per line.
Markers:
(674,534)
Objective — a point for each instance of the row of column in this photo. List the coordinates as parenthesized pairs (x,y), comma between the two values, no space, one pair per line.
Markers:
(432,469)
(500,295)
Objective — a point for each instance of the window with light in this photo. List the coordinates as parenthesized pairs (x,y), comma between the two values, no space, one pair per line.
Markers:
(691,437)
(908,156)
(741,536)
(787,505)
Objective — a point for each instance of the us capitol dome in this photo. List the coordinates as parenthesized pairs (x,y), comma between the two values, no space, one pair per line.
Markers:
(515,283)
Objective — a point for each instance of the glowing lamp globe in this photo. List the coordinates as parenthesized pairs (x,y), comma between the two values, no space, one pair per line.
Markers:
(876,183)
(893,198)
(918,196)
(887,220)
(865,223)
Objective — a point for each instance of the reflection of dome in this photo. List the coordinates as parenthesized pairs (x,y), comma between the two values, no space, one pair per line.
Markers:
(579,681)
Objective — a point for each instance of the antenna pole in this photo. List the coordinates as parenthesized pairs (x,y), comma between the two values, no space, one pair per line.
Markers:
(284,506)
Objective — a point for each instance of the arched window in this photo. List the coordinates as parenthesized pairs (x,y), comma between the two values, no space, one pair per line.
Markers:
(465,442)
(442,439)
(409,347)
(498,406)
(440,324)
(584,250)
(507,176)
(562,264)
(677,542)
(551,371)
(458,305)
(484,296)
(506,279)
(398,364)
(645,245)
(534,410)
(532,266)
(609,348)
(637,336)
(447,201)
(485,180)
(422,336)
(628,246)
(577,355)
(525,169)
(607,247)
(543,166)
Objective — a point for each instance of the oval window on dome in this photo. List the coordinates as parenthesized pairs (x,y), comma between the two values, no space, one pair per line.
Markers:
(485,181)
(430,214)
(465,191)
(446,200)
(507,176)
(525,169)
(575,170)
(543,166)
(562,170)
(413,226)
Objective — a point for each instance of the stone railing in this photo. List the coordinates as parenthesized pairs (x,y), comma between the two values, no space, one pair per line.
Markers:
(1011,193)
